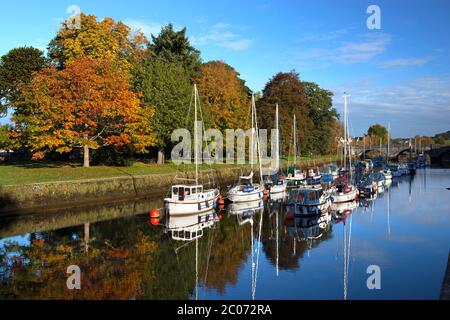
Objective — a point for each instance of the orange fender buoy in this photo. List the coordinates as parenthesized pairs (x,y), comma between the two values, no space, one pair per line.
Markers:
(154,221)
(154,213)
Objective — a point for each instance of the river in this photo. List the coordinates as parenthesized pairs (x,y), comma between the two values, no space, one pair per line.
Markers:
(401,239)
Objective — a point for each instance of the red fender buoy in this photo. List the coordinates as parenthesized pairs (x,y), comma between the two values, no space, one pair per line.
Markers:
(154,213)
(289,215)
(154,221)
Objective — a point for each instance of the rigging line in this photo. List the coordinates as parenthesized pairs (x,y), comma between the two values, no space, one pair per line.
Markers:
(258,144)
(206,142)
(186,125)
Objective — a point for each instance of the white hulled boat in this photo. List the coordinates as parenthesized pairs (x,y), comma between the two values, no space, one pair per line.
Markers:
(193,197)
(246,189)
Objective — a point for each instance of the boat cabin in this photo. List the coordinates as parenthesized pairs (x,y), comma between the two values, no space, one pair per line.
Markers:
(310,196)
(187,192)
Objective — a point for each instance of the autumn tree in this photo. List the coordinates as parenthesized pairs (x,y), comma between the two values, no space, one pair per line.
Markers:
(166,87)
(223,95)
(106,39)
(88,104)
(174,46)
(5,141)
(16,67)
(286,90)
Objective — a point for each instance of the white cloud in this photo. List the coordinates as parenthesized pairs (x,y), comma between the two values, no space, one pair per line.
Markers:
(364,49)
(238,45)
(147,28)
(415,106)
(405,62)
(324,37)
(221,35)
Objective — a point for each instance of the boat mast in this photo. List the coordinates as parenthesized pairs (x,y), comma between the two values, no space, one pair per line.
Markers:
(277,155)
(257,141)
(388,141)
(195,135)
(295,142)
(253,133)
(345,130)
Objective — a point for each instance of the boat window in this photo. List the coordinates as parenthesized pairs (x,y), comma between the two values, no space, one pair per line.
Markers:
(188,235)
(313,196)
(300,197)
(199,189)
(175,190)
(175,233)
(187,191)
(194,190)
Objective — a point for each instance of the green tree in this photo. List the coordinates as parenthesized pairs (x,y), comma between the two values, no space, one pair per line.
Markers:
(323,116)
(166,87)
(377,131)
(5,141)
(174,46)
(16,67)
(286,90)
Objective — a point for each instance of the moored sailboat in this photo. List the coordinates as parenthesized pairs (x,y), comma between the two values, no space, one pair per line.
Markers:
(192,197)
(246,189)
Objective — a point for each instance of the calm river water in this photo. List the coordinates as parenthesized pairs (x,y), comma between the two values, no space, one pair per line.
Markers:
(243,253)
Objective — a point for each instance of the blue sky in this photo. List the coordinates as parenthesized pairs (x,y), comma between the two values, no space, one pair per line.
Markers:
(400,73)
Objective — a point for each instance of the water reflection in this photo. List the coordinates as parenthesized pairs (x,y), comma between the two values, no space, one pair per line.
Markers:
(248,250)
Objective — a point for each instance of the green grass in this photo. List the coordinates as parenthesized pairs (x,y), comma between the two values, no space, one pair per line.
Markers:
(35,172)
(45,171)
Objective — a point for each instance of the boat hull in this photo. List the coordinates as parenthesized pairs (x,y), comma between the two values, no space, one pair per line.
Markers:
(278,188)
(345,197)
(241,196)
(188,207)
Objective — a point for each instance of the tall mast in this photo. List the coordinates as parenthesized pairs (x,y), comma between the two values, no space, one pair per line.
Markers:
(295,142)
(388,140)
(257,142)
(345,130)
(364,148)
(277,155)
(253,133)
(195,135)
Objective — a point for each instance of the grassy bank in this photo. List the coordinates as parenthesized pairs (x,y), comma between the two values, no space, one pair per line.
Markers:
(40,171)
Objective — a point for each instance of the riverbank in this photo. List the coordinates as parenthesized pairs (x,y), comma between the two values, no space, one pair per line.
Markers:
(30,186)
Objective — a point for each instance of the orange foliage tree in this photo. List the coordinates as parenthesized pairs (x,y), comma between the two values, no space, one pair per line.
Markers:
(98,40)
(223,95)
(88,104)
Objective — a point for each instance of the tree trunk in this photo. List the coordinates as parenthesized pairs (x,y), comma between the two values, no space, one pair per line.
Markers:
(161,157)
(85,156)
